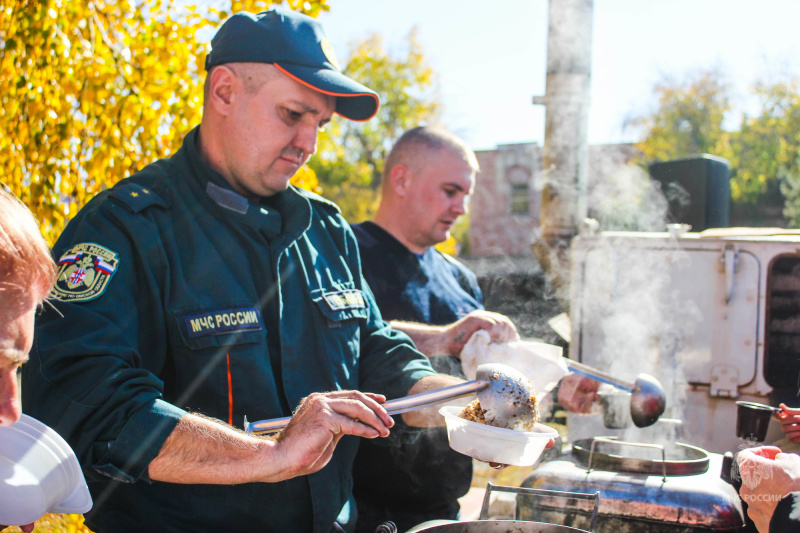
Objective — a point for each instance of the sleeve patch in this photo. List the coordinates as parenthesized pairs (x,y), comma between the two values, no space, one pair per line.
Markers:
(84,272)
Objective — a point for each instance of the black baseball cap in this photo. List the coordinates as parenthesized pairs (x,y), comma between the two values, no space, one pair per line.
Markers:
(297,46)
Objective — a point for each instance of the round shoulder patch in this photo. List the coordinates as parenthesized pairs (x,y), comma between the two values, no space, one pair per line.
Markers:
(84,272)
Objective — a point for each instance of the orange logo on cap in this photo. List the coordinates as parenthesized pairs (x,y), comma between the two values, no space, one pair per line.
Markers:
(327,49)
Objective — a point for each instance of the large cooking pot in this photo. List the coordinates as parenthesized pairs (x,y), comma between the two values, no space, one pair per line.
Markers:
(498,526)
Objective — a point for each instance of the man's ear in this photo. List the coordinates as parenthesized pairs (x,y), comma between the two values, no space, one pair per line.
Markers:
(221,88)
(400,180)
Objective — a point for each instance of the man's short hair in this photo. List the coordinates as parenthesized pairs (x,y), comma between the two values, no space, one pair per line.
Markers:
(25,260)
(432,138)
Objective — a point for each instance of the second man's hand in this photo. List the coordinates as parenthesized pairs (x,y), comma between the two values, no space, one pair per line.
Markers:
(499,327)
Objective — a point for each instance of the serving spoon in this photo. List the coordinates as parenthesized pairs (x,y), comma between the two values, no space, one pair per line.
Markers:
(504,393)
(647,394)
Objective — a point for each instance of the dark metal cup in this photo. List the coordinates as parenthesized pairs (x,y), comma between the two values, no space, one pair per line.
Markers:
(752,420)
(616,409)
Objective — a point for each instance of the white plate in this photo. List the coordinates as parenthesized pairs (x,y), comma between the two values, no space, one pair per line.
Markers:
(39,474)
(495,445)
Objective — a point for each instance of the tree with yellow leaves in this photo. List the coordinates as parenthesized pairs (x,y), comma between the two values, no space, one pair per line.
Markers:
(93,90)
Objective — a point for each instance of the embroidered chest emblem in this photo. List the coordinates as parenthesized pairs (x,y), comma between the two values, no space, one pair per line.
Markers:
(84,272)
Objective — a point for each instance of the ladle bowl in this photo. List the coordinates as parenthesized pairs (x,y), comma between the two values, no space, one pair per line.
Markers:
(647,401)
(509,400)
(647,396)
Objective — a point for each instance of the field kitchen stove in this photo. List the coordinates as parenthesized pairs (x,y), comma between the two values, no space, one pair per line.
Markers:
(643,488)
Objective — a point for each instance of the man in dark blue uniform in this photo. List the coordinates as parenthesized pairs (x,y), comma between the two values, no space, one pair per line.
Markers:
(414,476)
(205,288)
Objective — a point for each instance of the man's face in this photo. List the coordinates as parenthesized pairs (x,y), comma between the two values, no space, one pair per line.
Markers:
(439,195)
(271,133)
(16,338)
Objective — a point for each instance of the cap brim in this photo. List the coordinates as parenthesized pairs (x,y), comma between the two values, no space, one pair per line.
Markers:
(353,100)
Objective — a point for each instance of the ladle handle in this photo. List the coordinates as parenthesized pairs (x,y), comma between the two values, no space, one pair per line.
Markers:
(597,375)
(393,407)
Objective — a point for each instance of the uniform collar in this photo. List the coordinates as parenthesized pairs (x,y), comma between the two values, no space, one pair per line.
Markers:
(286,212)
(390,240)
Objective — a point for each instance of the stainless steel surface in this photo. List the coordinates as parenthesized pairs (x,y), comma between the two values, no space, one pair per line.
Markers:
(647,395)
(637,502)
(507,401)
(393,407)
(608,453)
(498,526)
(754,405)
(538,493)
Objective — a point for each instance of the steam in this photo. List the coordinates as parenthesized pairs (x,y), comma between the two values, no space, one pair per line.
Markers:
(633,318)
(622,196)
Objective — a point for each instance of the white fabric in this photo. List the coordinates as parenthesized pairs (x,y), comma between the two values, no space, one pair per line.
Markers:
(39,474)
(542,363)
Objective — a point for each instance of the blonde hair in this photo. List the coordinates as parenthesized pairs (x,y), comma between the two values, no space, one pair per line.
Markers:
(25,260)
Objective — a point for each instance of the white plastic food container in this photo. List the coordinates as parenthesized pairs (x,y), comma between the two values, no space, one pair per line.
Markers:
(495,445)
(39,473)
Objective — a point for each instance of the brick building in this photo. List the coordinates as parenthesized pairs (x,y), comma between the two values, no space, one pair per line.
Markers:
(505,207)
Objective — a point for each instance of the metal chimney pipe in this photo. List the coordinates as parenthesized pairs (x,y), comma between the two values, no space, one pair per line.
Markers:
(566,143)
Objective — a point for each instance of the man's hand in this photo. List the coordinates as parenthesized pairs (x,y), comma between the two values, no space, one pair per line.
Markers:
(450,339)
(790,422)
(767,476)
(204,450)
(577,394)
(499,327)
(321,420)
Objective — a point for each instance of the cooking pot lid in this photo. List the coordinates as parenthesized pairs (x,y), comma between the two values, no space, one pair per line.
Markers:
(610,454)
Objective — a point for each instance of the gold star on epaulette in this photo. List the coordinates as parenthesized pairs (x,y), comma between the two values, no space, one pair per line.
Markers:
(145,191)
(134,194)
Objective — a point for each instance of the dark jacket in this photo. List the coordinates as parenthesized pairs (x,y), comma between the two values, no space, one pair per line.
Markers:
(414,474)
(177,295)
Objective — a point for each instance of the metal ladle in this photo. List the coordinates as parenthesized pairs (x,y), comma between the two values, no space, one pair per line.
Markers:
(647,395)
(503,392)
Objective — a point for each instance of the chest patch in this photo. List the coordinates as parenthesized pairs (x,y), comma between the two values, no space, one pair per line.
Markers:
(223,321)
(84,272)
(349,299)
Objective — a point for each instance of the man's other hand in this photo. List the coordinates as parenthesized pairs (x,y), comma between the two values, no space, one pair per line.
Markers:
(578,394)
(499,327)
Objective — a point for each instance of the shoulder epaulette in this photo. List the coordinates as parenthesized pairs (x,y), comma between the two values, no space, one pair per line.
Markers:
(317,198)
(137,197)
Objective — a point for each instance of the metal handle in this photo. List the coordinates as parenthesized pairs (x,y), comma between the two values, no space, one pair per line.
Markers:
(393,407)
(613,440)
(540,493)
(597,375)
(730,259)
